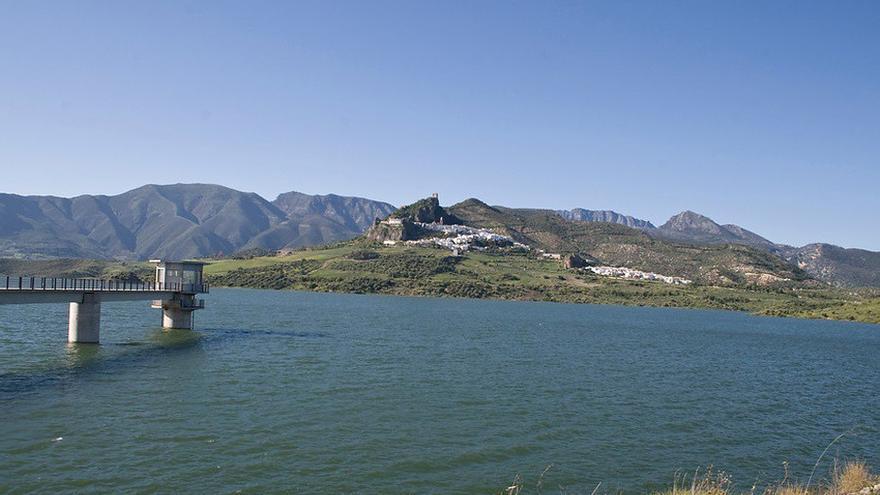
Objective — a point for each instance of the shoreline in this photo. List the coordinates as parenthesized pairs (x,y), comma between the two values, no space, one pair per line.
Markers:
(418,271)
(508,299)
(356,268)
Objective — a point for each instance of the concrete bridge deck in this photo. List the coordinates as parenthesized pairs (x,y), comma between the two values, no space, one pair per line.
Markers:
(36,290)
(171,294)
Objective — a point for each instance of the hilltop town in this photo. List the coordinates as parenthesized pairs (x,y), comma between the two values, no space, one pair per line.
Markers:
(460,239)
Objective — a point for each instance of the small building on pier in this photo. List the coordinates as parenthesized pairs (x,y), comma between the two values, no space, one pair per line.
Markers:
(186,280)
(174,292)
(183,276)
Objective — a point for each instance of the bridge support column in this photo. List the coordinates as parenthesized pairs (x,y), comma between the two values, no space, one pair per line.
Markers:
(84,324)
(178,313)
(177,318)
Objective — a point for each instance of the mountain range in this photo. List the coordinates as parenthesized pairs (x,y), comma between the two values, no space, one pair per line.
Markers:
(176,221)
(196,220)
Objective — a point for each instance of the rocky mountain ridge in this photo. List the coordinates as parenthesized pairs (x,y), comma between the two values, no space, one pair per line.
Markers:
(610,216)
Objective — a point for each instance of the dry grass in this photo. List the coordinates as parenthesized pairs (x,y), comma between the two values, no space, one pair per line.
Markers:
(846,479)
(852,477)
(788,490)
(708,483)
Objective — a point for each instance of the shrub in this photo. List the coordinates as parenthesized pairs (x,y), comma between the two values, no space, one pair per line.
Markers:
(852,477)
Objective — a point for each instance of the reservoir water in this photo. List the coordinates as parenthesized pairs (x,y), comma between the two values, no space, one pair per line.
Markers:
(280,392)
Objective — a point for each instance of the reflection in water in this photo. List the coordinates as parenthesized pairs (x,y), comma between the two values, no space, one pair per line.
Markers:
(81,355)
(79,359)
(174,338)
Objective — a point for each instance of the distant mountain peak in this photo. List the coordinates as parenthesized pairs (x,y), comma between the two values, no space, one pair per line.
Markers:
(691,221)
(692,227)
(689,216)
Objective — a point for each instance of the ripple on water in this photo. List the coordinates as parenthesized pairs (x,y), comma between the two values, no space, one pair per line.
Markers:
(338,393)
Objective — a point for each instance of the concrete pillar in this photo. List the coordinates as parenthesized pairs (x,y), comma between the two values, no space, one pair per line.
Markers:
(84,324)
(174,317)
(178,313)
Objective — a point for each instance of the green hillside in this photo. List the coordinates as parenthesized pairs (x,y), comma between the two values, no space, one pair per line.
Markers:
(368,268)
(867,310)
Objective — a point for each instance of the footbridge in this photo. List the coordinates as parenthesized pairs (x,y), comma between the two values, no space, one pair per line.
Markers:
(174,292)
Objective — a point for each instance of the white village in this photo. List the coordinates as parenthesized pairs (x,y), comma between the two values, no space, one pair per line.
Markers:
(622,272)
(462,238)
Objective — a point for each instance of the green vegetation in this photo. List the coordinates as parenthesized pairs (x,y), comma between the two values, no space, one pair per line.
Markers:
(861,310)
(359,267)
(362,267)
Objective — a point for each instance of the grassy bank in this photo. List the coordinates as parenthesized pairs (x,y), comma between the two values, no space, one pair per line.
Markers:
(414,271)
(862,310)
(850,478)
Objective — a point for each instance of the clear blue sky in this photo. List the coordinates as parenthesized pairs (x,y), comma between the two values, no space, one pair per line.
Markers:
(764,114)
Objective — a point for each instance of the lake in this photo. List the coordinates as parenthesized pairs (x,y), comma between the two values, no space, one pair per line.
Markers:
(332,393)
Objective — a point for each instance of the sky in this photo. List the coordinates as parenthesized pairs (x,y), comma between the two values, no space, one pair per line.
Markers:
(764,114)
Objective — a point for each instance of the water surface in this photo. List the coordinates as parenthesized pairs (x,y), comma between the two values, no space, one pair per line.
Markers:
(330,393)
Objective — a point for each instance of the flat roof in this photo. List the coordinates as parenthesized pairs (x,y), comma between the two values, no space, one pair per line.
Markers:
(161,262)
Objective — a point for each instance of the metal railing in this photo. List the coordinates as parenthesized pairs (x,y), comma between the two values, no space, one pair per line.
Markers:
(195,304)
(94,285)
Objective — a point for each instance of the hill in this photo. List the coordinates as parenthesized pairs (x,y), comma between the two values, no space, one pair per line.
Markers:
(826,262)
(426,210)
(619,245)
(175,221)
(837,265)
